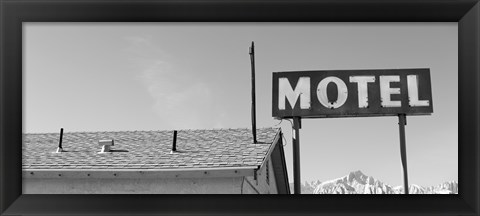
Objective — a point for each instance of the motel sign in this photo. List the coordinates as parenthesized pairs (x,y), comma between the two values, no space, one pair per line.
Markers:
(349,93)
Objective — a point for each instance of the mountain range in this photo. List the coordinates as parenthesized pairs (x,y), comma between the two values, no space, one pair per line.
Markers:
(358,183)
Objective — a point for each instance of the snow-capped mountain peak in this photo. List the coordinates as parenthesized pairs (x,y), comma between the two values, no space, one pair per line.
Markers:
(358,183)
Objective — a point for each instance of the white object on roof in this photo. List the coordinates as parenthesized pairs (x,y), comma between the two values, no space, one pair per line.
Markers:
(105,145)
(59,150)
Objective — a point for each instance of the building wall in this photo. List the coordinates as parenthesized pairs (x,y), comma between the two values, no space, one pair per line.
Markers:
(213,185)
(262,185)
(132,186)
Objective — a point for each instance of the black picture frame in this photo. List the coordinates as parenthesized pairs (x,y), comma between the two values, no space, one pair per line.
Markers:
(14,12)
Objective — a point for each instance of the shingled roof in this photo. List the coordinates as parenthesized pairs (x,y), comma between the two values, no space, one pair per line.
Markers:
(149,149)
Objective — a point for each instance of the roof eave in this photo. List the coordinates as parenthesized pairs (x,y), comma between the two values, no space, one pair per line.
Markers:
(271,148)
(143,173)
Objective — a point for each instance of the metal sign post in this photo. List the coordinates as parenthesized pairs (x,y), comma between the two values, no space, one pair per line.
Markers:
(402,121)
(296,154)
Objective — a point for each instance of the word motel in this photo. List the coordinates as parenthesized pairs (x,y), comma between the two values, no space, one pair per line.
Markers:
(352,93)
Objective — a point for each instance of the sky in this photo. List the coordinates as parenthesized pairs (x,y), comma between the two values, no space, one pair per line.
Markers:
(166,76)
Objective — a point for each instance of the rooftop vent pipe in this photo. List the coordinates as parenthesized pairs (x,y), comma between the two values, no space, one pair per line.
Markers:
(105,145)
(174,144)
(60,149)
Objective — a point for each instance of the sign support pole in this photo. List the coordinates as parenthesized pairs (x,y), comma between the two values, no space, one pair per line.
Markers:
(402,121)
(296,154)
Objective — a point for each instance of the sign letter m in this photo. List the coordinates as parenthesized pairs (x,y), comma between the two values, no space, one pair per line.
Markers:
(302,90)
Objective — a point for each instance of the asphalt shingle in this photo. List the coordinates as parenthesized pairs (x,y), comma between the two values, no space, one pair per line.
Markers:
(148,149)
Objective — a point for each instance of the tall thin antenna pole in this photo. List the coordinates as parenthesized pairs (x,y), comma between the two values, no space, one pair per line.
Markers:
(254,117)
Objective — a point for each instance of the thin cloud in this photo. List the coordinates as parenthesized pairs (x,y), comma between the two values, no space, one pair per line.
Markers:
(180,100)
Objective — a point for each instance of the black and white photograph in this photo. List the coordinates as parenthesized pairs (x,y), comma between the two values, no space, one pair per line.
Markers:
(240,108)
